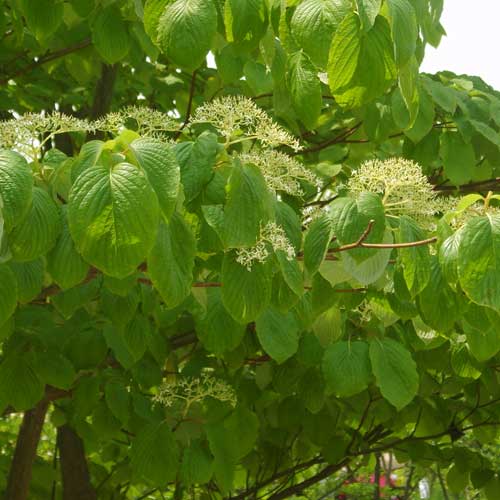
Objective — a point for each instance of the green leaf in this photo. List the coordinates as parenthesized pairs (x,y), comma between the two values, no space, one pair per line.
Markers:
(20,385)
(456,479)
(37,233)
(154,454)
(8,293)
(482,329)
(245,294)
(361,64)
(117,399)
(459,159)
(54,369)
(313,25)
(424,120)
(278,334)
(197,160)
(113,218)
(64,263)
(153,10)
(29,276)
(159,163)
(346,368)
(395,371)
(368,11)
(350,219)
(88,157)
(218,331)
(171,260)
(415,260)
(185,31)
(245,19)
(119,309)
(448,257)
(43,17)
(136,335)
(438,303)
(479,260)
(404,29)
(197,464)
(109,35)
(316,243)
(16,183)
(486,131)
(249,206)
(305,89)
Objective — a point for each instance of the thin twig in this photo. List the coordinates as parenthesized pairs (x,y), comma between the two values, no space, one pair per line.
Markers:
(49,56)
(189,105)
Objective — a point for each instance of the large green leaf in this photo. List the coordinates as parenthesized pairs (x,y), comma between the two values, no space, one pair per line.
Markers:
(415,260)
(316,243)
(196,160)
(159,163)
(395,371)
(368,11)
(43,17)
(29,276)
(113,218)
(245,294)
(437,302)
(197,464)
(305,88)
(459,159)
(20,385)
(109,34)
(361,64)
(8,293)
(346,368)
(249,206)
(278,334)
(16,183)
(155,454)
(479,260)
(37,233)
(171,260)
(313,25)
(244,19)
(64,263)
(185,31)
(350,219)
(404,29)
(218,331)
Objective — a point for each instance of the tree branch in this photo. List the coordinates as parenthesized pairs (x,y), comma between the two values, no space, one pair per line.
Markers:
(49,56)
(189,105)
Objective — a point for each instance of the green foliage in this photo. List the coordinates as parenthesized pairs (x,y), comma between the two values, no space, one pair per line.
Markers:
(245,281)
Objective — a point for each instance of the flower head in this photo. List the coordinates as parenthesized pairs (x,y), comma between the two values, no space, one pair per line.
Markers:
(281,171)
(191,390)
(237,116)
(405,190)
(271,234)
(149,122)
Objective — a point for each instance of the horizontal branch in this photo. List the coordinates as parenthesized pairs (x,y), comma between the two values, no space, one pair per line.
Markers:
(49,56)
(360,243)
(472,186)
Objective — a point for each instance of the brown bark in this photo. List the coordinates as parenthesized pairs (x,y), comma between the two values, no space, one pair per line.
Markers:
(74,470)
(19,479)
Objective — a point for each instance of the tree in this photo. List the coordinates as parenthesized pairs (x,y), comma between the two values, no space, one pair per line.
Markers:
(246,281)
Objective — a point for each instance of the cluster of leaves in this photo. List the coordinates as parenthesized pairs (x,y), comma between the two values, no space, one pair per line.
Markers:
(215,296)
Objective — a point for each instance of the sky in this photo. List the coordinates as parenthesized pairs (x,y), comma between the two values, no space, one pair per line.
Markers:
(472,44)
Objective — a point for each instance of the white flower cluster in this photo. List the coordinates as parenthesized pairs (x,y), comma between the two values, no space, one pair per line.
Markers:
(405,190)
(31,129)
(281,172)
(149,122)
(237,118)
(192,390)
(272,235)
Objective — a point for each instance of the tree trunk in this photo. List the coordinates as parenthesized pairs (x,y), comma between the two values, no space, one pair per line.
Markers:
(74,470)
(19,479)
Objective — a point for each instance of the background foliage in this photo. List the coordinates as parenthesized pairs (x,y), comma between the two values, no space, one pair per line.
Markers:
(260,280)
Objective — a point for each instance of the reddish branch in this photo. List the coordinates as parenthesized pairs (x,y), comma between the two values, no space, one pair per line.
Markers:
(360,243)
